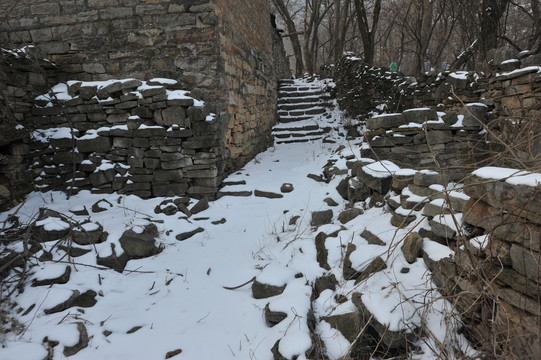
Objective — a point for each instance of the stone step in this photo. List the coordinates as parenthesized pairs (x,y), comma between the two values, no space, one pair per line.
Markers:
(299,106)
(299,140)
(296,100)
(295,93)
(290,119)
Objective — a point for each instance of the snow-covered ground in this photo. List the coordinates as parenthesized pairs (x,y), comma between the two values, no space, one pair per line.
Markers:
(177,297)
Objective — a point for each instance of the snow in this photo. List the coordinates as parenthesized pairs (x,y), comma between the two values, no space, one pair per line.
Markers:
(178,295)
(381,169)
(510,176)
(460,75)
(53,224)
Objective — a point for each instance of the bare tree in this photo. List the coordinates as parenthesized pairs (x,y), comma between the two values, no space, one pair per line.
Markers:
(292,34)
(368,31)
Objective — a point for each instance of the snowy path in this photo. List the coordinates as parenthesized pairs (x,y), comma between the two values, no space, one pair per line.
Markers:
(177,296)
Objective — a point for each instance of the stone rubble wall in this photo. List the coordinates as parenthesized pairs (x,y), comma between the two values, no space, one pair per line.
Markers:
(425,139)
(146,139)
(498,287)
(493,225)
(24,74)
(225,53)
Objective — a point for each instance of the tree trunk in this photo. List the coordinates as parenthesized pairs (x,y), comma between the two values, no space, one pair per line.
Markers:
(293,35)
(368,34)
(491,13)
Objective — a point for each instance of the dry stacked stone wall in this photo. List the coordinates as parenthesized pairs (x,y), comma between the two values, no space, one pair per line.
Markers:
(225,53)
(24,74)
(496,282)
(134,137)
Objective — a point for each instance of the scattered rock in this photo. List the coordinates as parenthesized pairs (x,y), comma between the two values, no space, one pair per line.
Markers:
(134,329)
(85,300)
(189,234)
(330,202)
(322,250)
(172,353)
(349,214)
(81,344)
(62,279)
(217,222)
(267,194)
(233,193)
(317,178)
(201,205)
(286,188)
(401,221)
(101,205)
(342,188)
(321,217)
(412,247)
(349,324)
(50,226)
(273,317)
(74,251)
(326,282)
(348,271)
(139,245)
(80,212)
(375,266)
(294,219)
(371,238)
(89,233)
(117,263)
(263,291)
(391,339)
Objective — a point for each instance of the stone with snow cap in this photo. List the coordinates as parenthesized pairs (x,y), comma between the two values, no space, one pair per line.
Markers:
(385,121)
(378,176)
(420,115)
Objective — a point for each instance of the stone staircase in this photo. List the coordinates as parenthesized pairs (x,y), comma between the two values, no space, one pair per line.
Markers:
(301,103)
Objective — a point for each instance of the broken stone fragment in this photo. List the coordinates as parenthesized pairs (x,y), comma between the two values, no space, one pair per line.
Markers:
(89,233)
(85,300)
(62,279)
(273,317)
(201,205)
(286,188)
(350,324)
(371,238)
(81,344)
(321,217)
(412,247)
(349,214)
(391,339)
(267,194)
(321,250)
(189,234)
(376,265)
(139,244)
(50,226)
(263,291)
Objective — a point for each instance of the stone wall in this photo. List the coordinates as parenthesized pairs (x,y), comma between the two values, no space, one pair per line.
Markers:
(247,48)
(496,281)
(452,142)
(225,53)
(24,74)
(133,137)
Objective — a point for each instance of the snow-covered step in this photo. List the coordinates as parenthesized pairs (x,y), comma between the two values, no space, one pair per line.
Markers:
(301,100)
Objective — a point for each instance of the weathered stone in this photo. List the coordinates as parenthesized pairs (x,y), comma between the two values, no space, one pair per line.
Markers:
(380,183)
(81,343)
(263,291)
(62,279)
(349,214)
(526,261)
(85,300)
(411,247)
(85,234)
(189,234)
(321,217)
(327,282)
(321,250)
(267,194)
(391,339)
(200,206)
(139,244)
(349,324)
(371,238)
(273,317)
(376,265)
(385,121)
(419,115)
(97,144)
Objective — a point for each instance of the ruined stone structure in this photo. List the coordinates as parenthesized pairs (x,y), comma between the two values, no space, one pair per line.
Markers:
(225,53)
